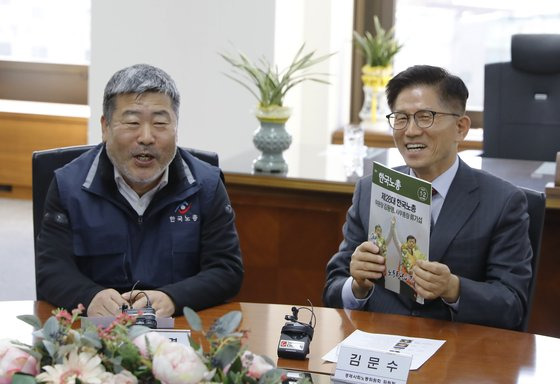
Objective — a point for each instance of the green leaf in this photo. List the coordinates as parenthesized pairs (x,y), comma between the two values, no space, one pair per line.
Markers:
(226,324)
(50,347)
(51,329)
(87,323)
(20,345)
(193,319)
(130,356)
(272,376)
(91,338)
(31,320)
(137,330)
(116,362)
(380,49)
(239,377)
(236,365)
(194,344)
(264,81)
(227,353)
(21,378)
(251,380)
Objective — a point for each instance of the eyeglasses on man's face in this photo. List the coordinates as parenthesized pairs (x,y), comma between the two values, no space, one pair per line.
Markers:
(423,118)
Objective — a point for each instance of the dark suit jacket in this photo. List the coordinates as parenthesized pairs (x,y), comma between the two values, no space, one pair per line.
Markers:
(481,234)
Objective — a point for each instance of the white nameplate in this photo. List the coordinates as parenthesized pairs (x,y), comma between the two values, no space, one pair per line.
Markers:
(291,345)
(180,336)
(366,366)
(105,321)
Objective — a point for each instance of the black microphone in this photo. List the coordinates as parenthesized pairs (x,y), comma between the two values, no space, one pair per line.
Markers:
(145,316)
(296,335)
(294,315)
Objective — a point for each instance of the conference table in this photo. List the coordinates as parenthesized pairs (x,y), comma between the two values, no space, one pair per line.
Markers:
(290,224)
(470,354)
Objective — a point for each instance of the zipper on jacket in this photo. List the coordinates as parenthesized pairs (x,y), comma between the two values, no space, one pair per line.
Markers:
(126,277)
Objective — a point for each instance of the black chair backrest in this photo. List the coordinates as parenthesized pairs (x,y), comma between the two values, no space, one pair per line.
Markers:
(521,99)
(44,163)
(536,209)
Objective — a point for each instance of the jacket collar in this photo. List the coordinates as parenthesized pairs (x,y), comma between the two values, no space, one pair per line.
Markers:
(462,199)
(100,180)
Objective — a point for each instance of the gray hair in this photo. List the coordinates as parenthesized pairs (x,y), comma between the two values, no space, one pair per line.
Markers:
(139,78)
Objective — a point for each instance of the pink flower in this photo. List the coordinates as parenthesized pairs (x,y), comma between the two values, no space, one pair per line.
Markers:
(13,360)
(64,317)
(176,363)
(79,310)
(123,377)
(256,365)
(154,340)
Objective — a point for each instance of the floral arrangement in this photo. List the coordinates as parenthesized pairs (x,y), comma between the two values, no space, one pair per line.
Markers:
(380,49)
(124,353)
(266,82)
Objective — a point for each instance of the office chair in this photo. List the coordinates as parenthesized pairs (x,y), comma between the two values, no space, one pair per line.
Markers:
(44,163)
(536,208)
(521,99)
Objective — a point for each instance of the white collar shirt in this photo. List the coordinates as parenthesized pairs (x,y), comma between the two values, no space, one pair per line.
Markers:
(139,204)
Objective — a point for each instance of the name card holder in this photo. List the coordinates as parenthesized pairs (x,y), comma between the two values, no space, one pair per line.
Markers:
(105,321)
(164,327)
(180,336)
(370,366)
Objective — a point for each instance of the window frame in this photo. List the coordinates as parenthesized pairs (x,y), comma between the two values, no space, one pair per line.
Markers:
(44,82)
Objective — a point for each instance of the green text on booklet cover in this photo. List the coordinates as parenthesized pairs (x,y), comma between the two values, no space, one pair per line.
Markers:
(399,224)
(402,184)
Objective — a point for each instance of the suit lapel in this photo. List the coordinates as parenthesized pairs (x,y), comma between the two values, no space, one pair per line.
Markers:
(459,204)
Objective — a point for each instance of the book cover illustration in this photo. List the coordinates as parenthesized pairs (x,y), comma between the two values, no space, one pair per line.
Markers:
(399,223)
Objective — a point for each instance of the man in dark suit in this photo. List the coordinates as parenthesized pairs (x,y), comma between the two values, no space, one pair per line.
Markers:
(480,255)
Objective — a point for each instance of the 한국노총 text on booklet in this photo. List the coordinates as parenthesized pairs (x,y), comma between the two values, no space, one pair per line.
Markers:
(399,223)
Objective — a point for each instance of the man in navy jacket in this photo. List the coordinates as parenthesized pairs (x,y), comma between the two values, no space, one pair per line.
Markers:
(137,208)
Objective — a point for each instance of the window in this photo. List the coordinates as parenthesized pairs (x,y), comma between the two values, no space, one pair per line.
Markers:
(463,35)
(45,50)
(56,31)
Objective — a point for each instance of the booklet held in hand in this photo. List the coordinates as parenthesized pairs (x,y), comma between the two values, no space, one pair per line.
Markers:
(399,224)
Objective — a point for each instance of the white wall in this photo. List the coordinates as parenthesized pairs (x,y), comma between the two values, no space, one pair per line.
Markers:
(183,37)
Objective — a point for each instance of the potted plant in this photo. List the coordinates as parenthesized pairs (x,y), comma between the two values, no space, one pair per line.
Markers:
(378,51)
(270,86)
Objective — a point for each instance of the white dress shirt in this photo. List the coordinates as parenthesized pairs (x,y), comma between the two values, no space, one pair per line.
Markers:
(139,203)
